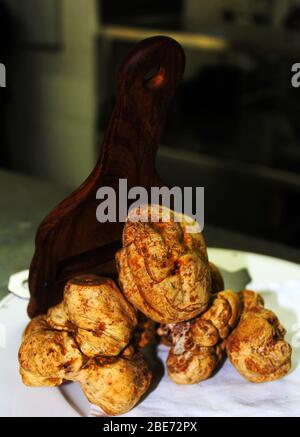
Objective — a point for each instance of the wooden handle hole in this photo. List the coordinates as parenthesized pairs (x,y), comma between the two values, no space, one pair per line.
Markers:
(155,77)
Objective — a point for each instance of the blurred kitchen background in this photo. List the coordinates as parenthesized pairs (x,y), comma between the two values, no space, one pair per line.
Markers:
(233,128)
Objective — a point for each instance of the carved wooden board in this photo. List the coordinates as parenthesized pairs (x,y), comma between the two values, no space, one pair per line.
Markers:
(70,240)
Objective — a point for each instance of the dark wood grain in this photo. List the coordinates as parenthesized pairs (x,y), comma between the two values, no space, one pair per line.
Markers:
(70,240)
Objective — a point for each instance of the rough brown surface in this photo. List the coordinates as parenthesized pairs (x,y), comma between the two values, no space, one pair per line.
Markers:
(257,348)
(79,340)
(197,346)
(163,269)
(116,387)
(97,312)
(48,357)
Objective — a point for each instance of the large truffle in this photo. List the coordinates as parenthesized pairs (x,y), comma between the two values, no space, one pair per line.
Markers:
(95,310)
(163,269)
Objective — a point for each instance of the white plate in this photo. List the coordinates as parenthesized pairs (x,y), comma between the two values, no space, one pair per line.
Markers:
(225,394)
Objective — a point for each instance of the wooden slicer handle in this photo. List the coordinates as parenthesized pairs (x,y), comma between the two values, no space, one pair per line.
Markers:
(70,240)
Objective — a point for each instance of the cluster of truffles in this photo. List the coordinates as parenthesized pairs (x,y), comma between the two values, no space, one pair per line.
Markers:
(96,334)
(92,337)
(198,345)
(236,325)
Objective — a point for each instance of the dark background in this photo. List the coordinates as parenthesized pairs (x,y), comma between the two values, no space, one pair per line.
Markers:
(233,128)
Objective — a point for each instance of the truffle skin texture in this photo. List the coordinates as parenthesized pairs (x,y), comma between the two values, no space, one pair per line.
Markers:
(257,348)
(145,333)
(50,357)
(116,384)
(193,366)
(197,346)
(47,357)
(163,269)
(95,310)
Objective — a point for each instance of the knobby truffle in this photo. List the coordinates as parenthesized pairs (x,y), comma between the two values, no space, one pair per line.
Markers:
(163,269)
(86,339)
(197,346)
(257,348)
(98,314)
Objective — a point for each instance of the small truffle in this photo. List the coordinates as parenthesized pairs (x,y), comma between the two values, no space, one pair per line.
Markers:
(257,348)
(48,357)
(116,384)
(197,346)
